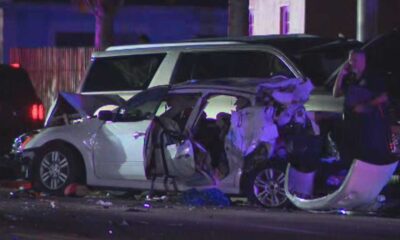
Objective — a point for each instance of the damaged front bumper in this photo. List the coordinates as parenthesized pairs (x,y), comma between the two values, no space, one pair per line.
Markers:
(22,159)
(24,162)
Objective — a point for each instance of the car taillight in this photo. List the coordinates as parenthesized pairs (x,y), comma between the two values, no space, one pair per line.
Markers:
(37,112)
(15,65)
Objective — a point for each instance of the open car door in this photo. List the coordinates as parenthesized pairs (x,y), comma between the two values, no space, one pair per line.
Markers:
(118,144)
(170,151)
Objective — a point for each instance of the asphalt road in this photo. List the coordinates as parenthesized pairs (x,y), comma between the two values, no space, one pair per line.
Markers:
(101,217)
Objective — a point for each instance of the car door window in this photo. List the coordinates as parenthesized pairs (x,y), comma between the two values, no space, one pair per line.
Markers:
(178,107)
(226,64)
(122,73)
(219,104)
(216,113)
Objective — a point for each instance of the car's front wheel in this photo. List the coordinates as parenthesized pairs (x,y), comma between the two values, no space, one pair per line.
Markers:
(55,168)
(265,185)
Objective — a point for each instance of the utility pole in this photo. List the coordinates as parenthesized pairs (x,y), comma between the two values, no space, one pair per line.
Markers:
(238,18)
(1,35)
(367,19)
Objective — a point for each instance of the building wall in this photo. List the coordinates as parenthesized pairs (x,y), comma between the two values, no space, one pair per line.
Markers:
(265,16)
(33,25)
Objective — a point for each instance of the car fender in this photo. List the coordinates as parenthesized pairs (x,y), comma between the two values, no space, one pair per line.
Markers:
(79,136)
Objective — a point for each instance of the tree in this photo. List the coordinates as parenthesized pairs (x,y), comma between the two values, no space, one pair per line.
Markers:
(104,12)
(238,18)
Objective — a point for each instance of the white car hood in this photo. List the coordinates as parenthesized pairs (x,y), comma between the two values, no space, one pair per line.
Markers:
(83,105)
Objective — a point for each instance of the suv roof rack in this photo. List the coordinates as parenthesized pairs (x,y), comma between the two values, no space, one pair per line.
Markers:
(166,45)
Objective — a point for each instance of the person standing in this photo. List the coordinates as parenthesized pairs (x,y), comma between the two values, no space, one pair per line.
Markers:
(366,123)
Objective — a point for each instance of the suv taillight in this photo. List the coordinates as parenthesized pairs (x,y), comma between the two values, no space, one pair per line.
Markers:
(36,112)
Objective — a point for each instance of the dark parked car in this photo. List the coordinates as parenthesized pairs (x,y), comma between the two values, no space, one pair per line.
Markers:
(21,110)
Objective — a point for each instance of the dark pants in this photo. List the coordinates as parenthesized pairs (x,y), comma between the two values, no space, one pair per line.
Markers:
(366,137)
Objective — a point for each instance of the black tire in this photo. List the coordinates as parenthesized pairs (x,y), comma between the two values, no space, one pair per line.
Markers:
(264,185)
(56,166)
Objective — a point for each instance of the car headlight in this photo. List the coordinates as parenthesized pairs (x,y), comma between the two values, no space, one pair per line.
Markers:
(21,141)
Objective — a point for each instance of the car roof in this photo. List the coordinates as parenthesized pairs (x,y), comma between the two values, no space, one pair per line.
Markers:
(169,45)
(285,42)
(289,44)
(165,47)
(244,85)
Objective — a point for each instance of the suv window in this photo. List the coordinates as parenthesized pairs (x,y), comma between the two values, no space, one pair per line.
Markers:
(319,65)
(122,73)
(209,65)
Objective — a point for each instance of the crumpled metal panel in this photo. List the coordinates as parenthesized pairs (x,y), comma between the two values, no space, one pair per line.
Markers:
(358,191)
(84,105)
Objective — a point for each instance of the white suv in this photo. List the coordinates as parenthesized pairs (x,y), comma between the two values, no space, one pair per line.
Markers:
(126,70)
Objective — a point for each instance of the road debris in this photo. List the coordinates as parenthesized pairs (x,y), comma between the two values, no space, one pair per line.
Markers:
(105,204)
(124,223)
(76,190)
(210,197)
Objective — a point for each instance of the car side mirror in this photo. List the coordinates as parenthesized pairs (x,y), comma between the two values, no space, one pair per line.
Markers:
(105,115)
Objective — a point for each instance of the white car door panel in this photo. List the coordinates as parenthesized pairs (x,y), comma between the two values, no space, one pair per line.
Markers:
(118,150)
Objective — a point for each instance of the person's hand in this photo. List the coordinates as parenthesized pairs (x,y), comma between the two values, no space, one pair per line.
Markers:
(345,69)
(381,99)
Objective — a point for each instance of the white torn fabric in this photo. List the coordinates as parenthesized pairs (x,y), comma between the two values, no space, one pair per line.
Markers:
(292,93)
(287,90)
(251,126)
(259,124)
(280,82)
(302,91)
(289,114)
(283,97)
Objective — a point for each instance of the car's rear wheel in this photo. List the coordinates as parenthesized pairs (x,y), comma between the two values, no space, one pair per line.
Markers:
(55,168)
(265,185)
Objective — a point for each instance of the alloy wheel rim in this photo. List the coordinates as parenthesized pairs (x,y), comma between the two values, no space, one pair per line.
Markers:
(54,170)
(268,187)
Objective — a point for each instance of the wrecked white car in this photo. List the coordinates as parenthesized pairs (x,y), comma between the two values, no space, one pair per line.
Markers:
(234,134)
(222,133)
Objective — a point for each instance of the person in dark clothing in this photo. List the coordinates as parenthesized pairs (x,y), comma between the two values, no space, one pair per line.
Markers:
(366,123)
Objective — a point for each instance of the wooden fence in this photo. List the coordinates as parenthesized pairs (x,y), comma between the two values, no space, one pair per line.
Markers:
(53,69)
